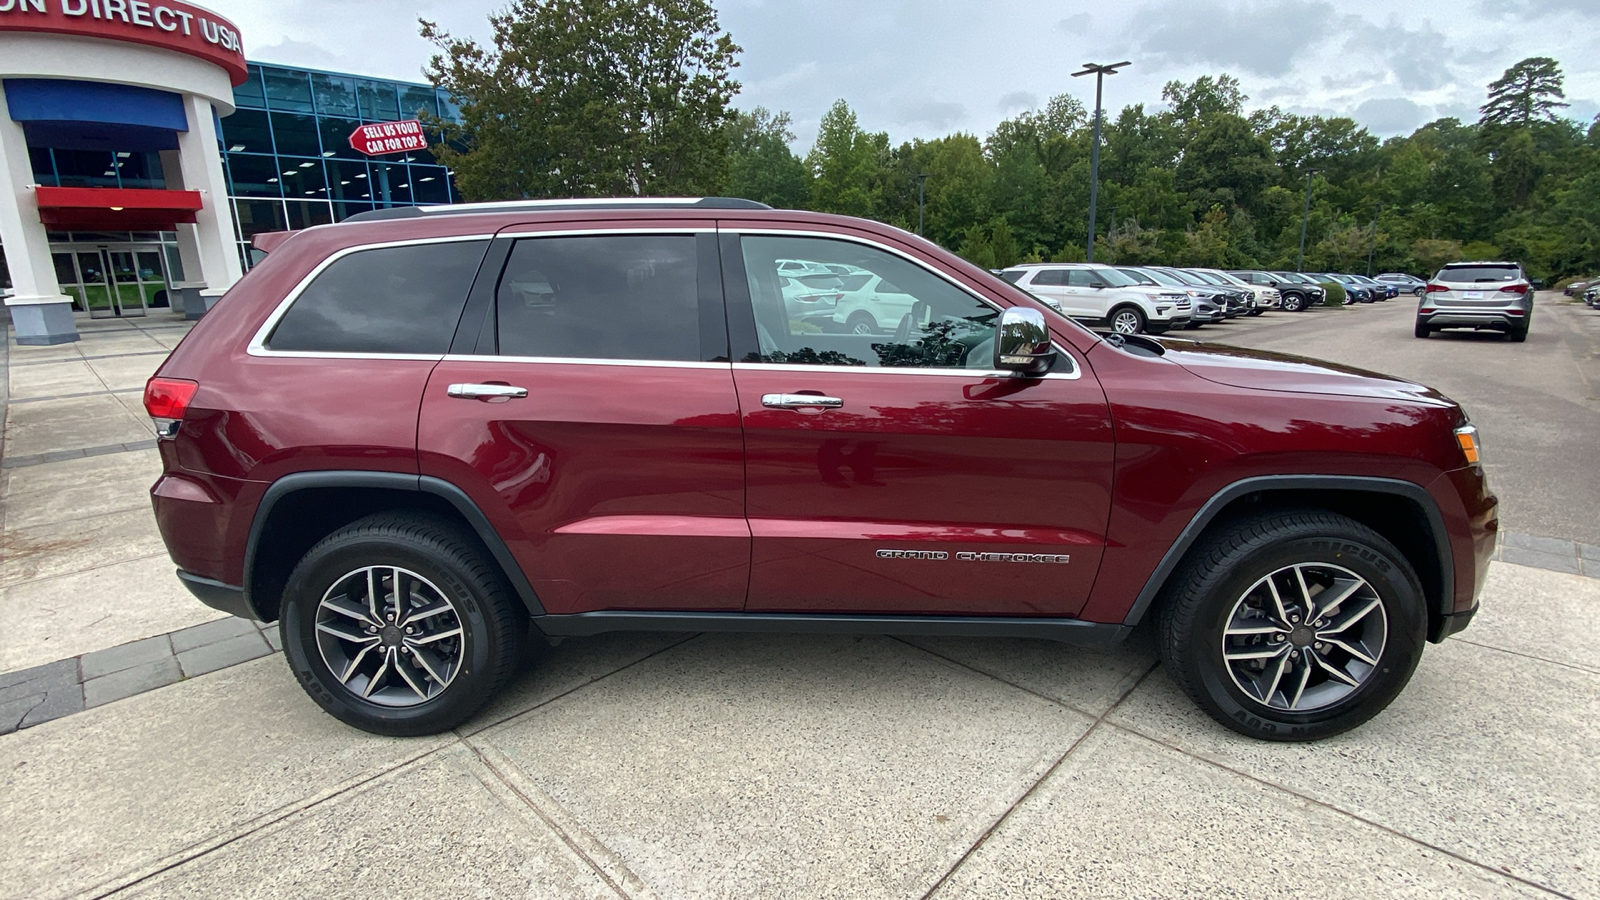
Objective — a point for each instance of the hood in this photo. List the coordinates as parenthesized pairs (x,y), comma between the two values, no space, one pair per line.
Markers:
(1267,371)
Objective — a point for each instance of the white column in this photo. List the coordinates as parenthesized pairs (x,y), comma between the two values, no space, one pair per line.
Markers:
(200,162)
(40,313)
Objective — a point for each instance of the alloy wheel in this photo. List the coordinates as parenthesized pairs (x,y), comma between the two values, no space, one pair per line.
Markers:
(1305,637)
(390,636)
(1125,322)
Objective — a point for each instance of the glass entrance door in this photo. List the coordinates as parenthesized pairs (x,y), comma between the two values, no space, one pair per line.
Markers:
(116,280)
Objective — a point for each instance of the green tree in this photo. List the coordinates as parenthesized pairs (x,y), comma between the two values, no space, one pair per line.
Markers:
(847,164)
(1204,96)
(1530,91)
(587,98)
(761,166)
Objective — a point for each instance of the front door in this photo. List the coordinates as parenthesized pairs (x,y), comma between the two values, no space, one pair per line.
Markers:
(594,421)
(897,473)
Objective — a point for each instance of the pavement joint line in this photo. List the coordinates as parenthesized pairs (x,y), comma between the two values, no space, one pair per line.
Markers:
(1528,656)
(93,568)
(66,359)
(40,459)
(1033,788)
(116,884)
(1343,813)
(77,396)
(990,675)
(513,784)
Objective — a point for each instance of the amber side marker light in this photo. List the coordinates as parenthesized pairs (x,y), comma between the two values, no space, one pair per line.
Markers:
(1467,437)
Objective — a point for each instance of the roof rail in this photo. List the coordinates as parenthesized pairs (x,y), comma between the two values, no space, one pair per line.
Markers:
(593,203)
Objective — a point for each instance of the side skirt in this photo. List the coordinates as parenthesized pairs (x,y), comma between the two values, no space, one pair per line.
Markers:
(1067,631)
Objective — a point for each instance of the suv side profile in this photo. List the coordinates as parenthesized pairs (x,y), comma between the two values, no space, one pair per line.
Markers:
(422,436)
(1102,294)
(1494,296)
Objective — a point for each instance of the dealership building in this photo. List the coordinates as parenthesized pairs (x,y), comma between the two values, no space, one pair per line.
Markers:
(142,152)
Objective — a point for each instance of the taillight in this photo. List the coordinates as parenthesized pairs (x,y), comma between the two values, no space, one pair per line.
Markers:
(166,400)
(1435,288)
(1514,289)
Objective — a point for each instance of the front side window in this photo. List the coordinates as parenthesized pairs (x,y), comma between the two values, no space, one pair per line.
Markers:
(891,313)
(622,297)
(1081,278)
(1050,277)
(387,300)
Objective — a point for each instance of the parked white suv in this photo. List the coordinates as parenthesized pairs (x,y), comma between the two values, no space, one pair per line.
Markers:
(1101,295)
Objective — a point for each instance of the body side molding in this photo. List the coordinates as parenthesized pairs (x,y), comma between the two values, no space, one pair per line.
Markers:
(1270,483)
(1069,631)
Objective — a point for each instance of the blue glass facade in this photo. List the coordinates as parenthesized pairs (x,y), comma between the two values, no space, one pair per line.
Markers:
(287,153)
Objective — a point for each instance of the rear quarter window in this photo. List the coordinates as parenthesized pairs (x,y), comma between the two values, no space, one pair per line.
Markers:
(386,300)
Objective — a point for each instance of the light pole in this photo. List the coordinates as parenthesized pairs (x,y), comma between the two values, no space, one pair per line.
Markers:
(1099,72)
(1299,261)
(922,193)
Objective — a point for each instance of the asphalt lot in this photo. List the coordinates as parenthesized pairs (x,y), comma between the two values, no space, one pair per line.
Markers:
(668,765)
(1536,404)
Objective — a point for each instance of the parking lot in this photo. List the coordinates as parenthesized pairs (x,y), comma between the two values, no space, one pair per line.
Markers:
(793,766)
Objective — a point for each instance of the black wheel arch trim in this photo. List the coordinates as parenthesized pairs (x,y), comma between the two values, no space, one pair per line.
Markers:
(395,481)
(1272,483)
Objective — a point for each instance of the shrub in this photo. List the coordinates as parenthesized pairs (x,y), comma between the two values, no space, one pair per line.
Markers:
(1336,293)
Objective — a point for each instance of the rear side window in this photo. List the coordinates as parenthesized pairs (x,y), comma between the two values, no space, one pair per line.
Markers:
(386,300)
(1012,276)
(1475,274)
(603,297)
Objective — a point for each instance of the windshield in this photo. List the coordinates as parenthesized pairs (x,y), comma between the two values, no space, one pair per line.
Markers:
(1185,277)
(1207,277)
(1230,279)
(1115,277)
(1165,278)
(1138,276)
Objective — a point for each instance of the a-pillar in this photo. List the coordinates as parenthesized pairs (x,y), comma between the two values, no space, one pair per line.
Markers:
(208,248)
(40,313)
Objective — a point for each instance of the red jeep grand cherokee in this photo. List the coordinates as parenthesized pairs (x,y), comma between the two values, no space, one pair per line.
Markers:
(411,436)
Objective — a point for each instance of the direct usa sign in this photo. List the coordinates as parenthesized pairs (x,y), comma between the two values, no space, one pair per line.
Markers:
(168,24)
(386,137)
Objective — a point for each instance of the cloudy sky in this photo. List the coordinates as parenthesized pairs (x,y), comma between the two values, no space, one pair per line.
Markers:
(930,67)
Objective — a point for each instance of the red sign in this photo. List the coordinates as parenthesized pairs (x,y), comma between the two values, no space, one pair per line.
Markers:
(387,137)
(168,24)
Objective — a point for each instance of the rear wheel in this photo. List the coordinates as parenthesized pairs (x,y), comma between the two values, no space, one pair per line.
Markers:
(1518,334)
(1421,330)
(1293,626)
(1127,320)
(399,625)
(861,323)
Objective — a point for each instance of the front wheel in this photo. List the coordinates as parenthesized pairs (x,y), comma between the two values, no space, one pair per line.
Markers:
(1127,320)
(1293,626)
(399,625)
(1294,303)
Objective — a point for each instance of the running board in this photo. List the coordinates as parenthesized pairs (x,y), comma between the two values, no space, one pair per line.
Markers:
(1067,631)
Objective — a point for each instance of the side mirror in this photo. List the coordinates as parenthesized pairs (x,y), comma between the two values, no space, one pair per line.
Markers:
(1022,342)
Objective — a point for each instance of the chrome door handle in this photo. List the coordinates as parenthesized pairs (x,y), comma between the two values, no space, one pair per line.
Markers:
(485,391)
(800,401)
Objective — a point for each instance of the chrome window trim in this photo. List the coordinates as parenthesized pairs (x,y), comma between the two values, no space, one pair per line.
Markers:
(1077,366)
(1074,375)
(258,343)
(583,361)
(258,346)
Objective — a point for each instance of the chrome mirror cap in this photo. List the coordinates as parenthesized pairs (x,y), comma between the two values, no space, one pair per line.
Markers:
(1022,342)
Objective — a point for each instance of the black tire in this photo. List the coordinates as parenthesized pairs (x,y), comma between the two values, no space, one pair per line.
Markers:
(1255,312)
(1518,335)
(1421,330)
(1126,320)
(1193,325)
(1221,574)
(1294,302)
(860,320)
(491,623)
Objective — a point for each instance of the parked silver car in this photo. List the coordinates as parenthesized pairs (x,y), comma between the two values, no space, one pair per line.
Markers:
(1497,296)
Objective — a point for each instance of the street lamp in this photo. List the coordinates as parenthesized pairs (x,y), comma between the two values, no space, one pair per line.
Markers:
(1299,261)
(1099,72)
(922,193)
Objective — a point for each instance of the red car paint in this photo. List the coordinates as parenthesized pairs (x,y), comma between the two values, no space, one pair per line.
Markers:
(669,488)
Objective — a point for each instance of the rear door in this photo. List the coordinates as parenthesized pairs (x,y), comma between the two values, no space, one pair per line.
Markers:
(588,408)
(898,473)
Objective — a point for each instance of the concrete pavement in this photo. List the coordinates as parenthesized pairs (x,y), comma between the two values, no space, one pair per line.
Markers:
(759,766)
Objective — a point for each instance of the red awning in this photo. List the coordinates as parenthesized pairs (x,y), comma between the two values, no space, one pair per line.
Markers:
(115,209)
